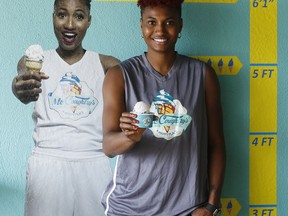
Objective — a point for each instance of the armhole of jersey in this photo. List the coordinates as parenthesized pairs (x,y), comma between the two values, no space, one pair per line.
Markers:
(204,72)
(102,66)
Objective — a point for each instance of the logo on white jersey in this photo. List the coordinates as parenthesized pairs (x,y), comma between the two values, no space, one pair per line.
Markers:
(72,98)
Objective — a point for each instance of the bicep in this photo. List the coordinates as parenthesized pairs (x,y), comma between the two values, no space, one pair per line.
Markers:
(213,106)
(113,98)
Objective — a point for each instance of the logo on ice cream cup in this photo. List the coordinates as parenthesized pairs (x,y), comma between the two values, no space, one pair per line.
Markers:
(145,120)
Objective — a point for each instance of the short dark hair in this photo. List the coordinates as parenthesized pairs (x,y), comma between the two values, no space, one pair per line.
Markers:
(87,2)
(170,3)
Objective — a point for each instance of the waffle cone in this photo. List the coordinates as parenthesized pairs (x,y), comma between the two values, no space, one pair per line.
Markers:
(33,65)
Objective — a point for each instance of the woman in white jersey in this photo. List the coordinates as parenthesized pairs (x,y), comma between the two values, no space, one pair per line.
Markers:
(68,171)
(176,167)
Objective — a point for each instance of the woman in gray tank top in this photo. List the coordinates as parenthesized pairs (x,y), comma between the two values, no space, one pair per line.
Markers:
(176,166)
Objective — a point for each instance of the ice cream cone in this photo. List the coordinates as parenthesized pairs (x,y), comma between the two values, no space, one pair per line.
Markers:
(71,86)
(230,68)
(33,65)
(166,109)
(34,57)
(73,108)
(77,91)
(164,104)
(220,65)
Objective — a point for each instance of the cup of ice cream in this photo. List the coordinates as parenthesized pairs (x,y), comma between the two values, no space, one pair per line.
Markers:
(145,120)
(144,117)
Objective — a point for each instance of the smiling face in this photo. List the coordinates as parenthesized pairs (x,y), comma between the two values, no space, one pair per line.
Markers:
(160,27)
(71,19)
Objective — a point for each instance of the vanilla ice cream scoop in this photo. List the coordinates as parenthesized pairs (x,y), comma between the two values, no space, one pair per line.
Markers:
(34,57)
(144,116)
(35,52)
(141,107)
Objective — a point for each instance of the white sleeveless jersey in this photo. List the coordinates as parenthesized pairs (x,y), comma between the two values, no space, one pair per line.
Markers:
(68,113)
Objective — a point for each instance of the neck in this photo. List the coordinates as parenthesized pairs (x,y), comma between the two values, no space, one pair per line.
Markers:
(162,63)
(70,57)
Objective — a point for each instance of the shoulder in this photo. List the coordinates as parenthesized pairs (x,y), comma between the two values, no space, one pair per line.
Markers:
(206,69)
(211,80)
(194,64)
(114,72)
(50,55)
(114,79)
(210,72)
(192,60)
(120,67)
(133,62)
(108,61)
(50,52)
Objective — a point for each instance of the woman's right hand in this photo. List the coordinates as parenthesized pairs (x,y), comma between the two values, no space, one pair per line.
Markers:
(127,125)
(27,86)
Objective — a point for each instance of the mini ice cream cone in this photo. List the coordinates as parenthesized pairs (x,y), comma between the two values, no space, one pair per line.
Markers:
(34,58)
(73,108)
(230,68)
(168,109)
(33,65)
(220,65)
(77,91)
(165,109)
(71,86)
(163,104)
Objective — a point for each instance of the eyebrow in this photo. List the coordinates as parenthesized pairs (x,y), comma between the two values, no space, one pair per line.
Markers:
(77,10)
(164,19)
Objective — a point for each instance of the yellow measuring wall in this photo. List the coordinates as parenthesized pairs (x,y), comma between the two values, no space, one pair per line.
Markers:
(263,108)
(223,65)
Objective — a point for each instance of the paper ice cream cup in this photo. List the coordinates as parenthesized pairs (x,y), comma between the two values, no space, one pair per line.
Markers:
(145,120)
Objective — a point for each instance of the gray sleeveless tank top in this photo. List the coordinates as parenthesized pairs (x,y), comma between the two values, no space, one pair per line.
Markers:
(166,172)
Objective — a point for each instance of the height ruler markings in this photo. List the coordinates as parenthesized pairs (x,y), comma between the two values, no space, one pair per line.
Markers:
(263,108)
(223,65)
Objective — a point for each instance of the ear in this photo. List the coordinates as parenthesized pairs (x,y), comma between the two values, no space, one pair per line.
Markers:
(89,20)
(180,25)
(141,23)
(53,18)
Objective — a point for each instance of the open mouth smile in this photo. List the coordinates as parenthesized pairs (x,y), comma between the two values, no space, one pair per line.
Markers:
(69,37)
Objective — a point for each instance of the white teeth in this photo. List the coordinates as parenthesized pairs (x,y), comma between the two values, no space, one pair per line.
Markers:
(69,34)
(160,40)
